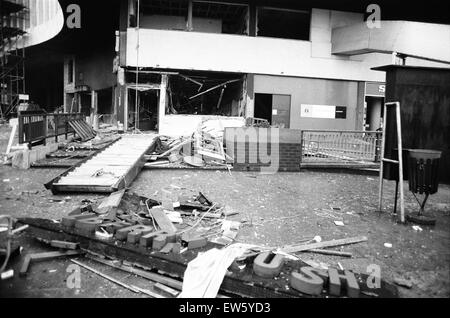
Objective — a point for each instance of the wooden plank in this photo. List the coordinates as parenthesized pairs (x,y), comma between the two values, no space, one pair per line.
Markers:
(162,220)
(340,242)
(113,200)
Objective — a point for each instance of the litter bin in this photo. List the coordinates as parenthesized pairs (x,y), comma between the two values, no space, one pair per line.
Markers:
(423,171)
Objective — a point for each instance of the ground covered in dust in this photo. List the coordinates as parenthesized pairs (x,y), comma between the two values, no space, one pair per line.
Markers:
(282,209)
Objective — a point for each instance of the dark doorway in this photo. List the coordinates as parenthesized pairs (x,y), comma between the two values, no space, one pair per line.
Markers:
(263,106)
(374,113)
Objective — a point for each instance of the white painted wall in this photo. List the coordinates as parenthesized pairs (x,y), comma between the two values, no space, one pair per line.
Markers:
(424,40)
(234,53)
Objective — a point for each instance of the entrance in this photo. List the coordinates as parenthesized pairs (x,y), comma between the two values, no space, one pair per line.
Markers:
(275,108)
(374,113)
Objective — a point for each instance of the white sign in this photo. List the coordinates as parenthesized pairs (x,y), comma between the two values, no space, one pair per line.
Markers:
(24,97)
(318,111)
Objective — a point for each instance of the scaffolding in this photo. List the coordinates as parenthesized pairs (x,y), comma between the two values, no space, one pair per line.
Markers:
(14,20)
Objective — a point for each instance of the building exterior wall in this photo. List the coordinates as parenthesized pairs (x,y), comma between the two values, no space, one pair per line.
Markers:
(314,92)
(247,54)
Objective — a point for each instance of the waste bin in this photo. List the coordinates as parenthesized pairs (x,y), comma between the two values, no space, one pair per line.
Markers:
(423,171)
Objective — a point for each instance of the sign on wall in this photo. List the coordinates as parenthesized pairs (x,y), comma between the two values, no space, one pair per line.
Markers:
(375,89)
(323,111)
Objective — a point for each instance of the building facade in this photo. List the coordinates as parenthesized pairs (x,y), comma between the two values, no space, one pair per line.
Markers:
(175,62)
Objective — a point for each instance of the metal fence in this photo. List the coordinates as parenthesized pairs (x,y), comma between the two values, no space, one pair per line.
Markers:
(36,126)
(340,147)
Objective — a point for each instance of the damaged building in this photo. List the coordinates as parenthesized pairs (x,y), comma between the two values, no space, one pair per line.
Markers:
(164,65)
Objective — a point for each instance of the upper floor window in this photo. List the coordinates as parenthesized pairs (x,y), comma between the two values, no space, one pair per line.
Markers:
(283,23)
(218,17)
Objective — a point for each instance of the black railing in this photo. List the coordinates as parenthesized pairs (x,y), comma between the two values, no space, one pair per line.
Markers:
(36,126)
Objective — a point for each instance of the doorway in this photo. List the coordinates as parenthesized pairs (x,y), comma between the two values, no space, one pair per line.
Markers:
(374,113)
(275,108)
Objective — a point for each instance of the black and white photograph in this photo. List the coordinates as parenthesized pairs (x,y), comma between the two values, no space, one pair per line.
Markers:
(240,151)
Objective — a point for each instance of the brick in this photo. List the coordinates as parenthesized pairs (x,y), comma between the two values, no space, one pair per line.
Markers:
(134,236)
(268,264)
(69,221)
(309,281)
(351,284)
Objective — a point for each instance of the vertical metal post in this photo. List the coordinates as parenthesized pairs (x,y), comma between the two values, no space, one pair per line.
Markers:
(383,141)
(400,162)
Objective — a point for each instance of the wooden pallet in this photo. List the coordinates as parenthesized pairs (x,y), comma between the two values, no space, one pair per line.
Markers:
(110,170)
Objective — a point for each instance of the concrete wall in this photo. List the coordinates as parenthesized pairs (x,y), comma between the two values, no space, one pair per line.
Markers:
(315,92)
(425,40)
(245,54)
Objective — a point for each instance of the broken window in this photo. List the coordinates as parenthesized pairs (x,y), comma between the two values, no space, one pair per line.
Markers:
(164,14)
(205,94)
(218,17)
(283,23)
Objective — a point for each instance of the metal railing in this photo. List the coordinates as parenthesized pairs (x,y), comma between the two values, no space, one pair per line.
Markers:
(36,126)
(340,147)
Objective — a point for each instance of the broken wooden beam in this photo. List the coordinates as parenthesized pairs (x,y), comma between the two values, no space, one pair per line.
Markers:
(340,242)
(330,252)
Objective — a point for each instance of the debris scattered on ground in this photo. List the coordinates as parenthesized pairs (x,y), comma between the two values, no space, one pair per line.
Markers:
(339,223)
(388,245)
(417,228)
(204,148)
(407,283)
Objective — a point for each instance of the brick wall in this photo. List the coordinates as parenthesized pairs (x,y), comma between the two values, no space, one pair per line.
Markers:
(284,150)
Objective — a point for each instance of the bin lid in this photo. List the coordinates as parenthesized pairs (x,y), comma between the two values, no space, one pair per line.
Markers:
(424,153)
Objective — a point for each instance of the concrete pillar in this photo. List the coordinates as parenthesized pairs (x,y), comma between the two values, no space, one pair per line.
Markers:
(162,99)
(250,104)
(94,109)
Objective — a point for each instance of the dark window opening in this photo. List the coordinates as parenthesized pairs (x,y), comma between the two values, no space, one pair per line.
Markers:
(283,23)
(219,17)
(164,14)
